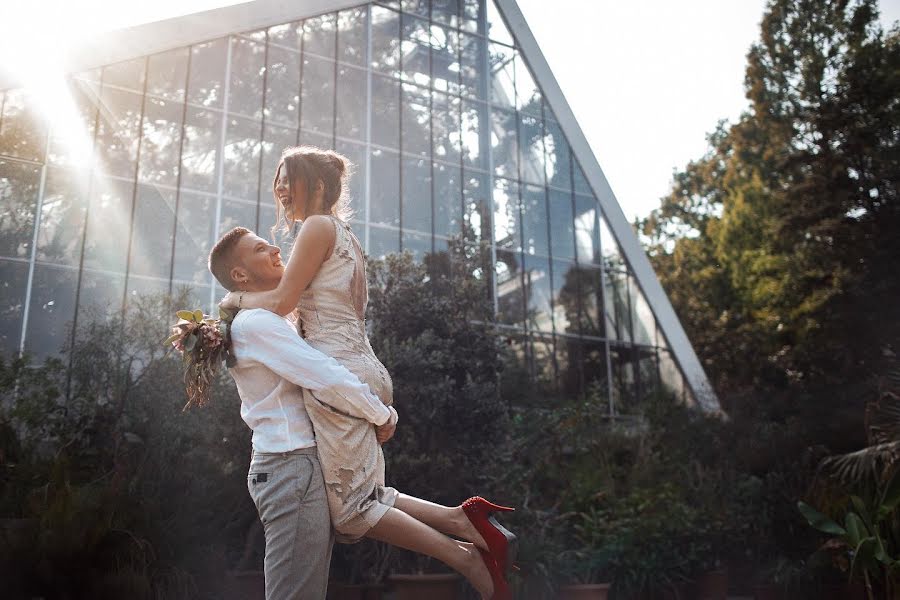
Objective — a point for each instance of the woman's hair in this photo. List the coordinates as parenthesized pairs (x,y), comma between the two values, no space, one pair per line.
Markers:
(307,165)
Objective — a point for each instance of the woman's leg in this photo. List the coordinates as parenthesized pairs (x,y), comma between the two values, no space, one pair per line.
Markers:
(401,529)
(450,520)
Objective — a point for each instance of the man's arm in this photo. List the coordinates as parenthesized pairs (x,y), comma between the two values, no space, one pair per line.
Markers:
(269,340)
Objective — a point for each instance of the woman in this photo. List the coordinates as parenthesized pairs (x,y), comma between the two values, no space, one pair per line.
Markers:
(325,281)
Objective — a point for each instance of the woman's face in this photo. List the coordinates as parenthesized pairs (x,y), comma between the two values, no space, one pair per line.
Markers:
(292,197)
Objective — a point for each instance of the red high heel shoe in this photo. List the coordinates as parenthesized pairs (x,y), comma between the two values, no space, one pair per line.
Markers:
(501,587)
(501,542)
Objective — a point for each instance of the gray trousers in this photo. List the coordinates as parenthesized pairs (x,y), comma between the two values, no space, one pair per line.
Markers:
(289,492)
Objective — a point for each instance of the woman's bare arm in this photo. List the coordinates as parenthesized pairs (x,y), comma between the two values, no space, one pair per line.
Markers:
(312,246)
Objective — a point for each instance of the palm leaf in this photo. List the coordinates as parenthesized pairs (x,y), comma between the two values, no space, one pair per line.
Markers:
(883,419)
(820,521)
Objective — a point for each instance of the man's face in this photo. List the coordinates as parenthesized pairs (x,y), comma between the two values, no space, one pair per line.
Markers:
(258,265)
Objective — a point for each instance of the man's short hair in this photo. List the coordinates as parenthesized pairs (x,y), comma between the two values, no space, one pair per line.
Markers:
(222,258)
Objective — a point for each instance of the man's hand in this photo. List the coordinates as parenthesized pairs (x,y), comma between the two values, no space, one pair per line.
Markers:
(385,432)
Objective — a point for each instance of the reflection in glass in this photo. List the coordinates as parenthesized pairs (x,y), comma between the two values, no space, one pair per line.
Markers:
(510,289)
(496,26)
(351,103)
(670,375)
(246,85)
(586,233)
(445,119)
(13,282)
(19,184)
(193,237)
(416,114)
(383,241)
(384,202)
(477,209)
(595,368)
(282,87)
(558,156)
(446,11)
(415,49)
(447,199)
(128,74)
(241,168)
(471,16)
(108,223)
(534,220)
(566,300)
(612,256)
(71,136)
(51,311)
(386,112)
(62,216)
(445,65)
(642,317)
(506,215)
(118,131)
(319,36)
(207,73)
(199,156)
(586,283)
(416,195)
(647,373)
(356,153)
(623,379)
(166,74)
(503,89)
(543,361)
(503,144)
(417,243)
(385,41)
(154,222)
(528,96)
(538,293)
(317,95)
(352,36)
(617,308)
(237,213)
(568,360)
(286,35)
(475,135)
(160,142)
(531,145)
(101,295)
(562,226)
(581,184)
(472,59)
(22,131)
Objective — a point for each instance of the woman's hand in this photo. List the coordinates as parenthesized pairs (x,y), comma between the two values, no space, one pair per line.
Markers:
(231,300)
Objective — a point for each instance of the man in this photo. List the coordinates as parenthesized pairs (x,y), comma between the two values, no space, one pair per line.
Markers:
(274,368)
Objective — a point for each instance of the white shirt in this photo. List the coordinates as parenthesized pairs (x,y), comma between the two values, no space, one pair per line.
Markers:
(273,364)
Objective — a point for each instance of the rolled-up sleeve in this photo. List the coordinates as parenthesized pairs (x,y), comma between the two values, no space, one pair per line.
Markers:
(270,340)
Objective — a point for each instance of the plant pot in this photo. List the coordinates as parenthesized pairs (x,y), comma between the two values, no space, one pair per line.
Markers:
(245,585)
(766,591)
(590,591)
(361,591)
(432,587)
(712,585)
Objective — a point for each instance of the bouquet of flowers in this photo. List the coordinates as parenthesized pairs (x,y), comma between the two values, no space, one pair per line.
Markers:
(204,344)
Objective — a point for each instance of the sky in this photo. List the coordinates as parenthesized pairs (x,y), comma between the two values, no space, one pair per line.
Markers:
(647,80)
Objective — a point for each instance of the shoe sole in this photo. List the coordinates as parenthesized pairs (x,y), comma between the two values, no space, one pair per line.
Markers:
(512,543)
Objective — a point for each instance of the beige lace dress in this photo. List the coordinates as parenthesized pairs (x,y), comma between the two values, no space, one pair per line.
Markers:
(332,319)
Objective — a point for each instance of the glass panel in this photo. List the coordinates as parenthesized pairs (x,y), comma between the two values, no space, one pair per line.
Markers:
(566,303)
(287,35)
(246,86)
(128,75)
(161,142)
(167,74)
(193,237)
(670,374)
(317,95)
(506,215)
(446,11)
(617,309)
(237,213)
(199,157)
(385,41)
(356,153)
(445,127)
(415,50)
(319,36)
(100,298)
(596,380)
(471,13)
(72,136)
(352,36)
(283,87)
(275,140)
(417,195)
(242,147)
(445,67)
(386,112)
(534,220)
(384,190)
(612,256)
(108,224)
(590,292)
(319,140)
(416,114)
(472,79)
(51,311)
(647,373)
(419,7)
(623,377)
(581,184)
(543,363)
(62,216)
(537,292)
(19,185)
(13,281)
(417,243)
(477,208)
(562,225)
(558,158)
(351,103)
(144,286)
(207,74)
(496,27)
(383,241)
(586,235)
(448,200)
(531,143)
(510,294)
(503,144)
(502,76)
(154,222)
(22,132)
(569,362)
(642,317)
(528,96)
(118,132)
(475,140)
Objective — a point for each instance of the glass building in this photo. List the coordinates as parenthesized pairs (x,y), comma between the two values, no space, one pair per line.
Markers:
(456,127)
